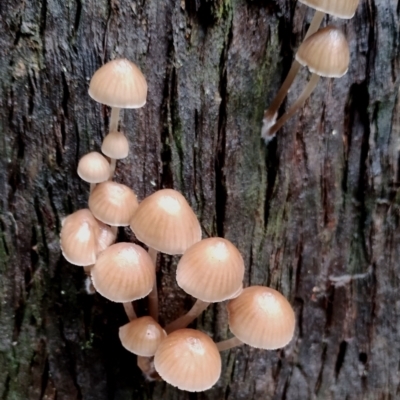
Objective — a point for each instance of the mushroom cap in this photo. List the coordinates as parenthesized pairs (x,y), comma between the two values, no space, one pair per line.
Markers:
(142,336)
(325,53)
(115,145)
(107,235)
(113,203)
(339,8)
(123,272)
(189,360)
(165,222)
(211,270)
(119,83)
(262,317)
(78,238)
(93,168)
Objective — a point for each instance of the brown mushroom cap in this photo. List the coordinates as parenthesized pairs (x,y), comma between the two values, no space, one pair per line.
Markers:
(261,317)
(93,168)
(211,270)
(123,272)
(165,222)
(115,145)
(325,53)
(142,336)
(119,83)
(339,8)
(113,203)
(189,360)
(107,235)
(78,238)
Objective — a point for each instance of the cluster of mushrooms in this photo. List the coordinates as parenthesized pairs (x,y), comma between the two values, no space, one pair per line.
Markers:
(326,54)
(211,270)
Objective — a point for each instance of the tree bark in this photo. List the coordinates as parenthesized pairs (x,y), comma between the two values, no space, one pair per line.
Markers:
(315,213)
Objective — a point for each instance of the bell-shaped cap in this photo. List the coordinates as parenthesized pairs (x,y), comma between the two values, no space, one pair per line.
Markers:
(115,145)
(165,222)
(338,8)
(119,83)
(93,168)
(261,317)
(123,272)
(325,53)
(189,360)
(83,237)
(211,270)
(142,336)
(113,203)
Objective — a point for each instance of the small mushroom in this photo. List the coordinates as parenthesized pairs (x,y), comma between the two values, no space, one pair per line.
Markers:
(189,360)
(93,168)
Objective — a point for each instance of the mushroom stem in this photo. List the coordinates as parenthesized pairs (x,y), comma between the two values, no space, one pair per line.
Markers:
(153,296)
(130,311)
(229,343)
(296,106)
(92,186)
(87,269)
(114,119)
(191,315)
(113,164)
(271,113)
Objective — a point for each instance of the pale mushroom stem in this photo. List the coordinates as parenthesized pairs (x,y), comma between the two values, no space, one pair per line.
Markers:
(87,269)
(229,343)
(130,311)
(271,113)
(296,106)
(113,127)
(153,296)
(190,316)
(92,186)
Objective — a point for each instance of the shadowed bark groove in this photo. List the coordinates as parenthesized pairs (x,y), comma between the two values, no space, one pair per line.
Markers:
(315,213)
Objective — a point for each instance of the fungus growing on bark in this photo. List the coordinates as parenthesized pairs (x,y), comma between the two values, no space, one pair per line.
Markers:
(260,317)
(118,84)
(211,271)
(165,222)
(344,9)
(123,272)
(189,360)
(325,53)
(113,203)
(115,145)
(93,168)
(142,336)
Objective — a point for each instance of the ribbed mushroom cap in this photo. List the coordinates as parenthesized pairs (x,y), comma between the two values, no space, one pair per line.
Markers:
(119,83)
(165,222)
(325,53)
(142,336)
(113,203)
(189,360)
(261,317)
(339,8)
(78,238)
(123,272)
(211,270)
(93,168)
(107,235)
(115,145)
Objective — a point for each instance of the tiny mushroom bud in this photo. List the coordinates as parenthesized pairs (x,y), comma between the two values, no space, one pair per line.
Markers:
(115,145)
(123,272)
(261,317)
(93,168)
(113,203)
(189,360)
(142,336)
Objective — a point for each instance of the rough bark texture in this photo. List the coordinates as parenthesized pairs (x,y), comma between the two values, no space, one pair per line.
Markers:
(315,213)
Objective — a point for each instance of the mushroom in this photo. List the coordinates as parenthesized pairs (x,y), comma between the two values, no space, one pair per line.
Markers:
(118,84)
(260,317)
(189,360)
(113,203)
(93,168)
(115,145)
(325,53)
(211,271)
(165,222)
(123,273)
(344,9)
(142,336)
